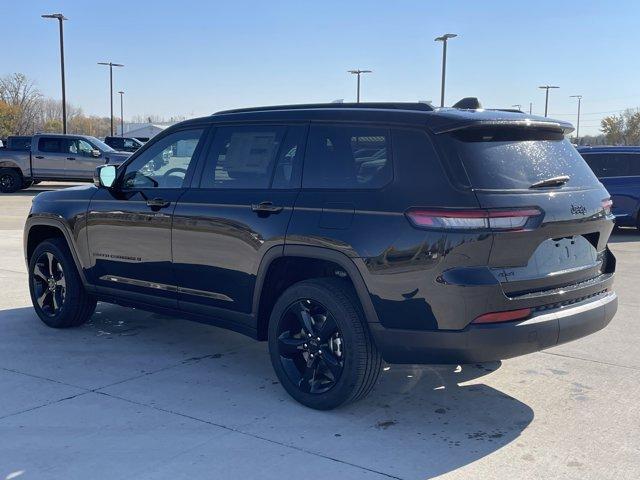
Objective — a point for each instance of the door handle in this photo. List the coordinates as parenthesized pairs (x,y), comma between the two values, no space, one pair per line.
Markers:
(39,156)
(71,158)
(157,203)
(266,207)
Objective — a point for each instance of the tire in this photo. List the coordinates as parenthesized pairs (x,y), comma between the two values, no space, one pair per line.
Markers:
(57,293)
(348,367)
(10,180)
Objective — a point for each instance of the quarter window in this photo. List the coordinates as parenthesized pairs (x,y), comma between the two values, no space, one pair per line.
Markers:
(164,164)
(347,157)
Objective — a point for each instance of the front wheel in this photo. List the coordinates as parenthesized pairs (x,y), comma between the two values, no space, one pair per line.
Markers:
(57,292)
(320,345)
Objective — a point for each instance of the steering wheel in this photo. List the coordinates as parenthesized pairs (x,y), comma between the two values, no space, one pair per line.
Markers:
(175,170)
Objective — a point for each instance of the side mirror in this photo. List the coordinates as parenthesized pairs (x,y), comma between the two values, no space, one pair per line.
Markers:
(105,176)
(95,153)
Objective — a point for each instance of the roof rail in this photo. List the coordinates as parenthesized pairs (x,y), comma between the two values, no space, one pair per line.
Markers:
(423,107)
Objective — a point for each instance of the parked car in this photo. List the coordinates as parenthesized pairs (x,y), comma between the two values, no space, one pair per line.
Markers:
(123,144)
(54,157)
(344,235)
(618,168)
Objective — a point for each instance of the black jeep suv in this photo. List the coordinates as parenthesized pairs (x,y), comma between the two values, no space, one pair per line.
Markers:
(342,234)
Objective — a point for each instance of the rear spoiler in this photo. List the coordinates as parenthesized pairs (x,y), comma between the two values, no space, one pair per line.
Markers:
(558,126)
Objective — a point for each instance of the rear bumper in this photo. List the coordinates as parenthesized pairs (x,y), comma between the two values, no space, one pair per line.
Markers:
(483,343)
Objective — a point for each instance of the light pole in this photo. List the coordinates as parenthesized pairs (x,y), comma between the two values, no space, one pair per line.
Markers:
(444,39)
(517,106)
(60,17)
(359,72)
(546,99)
(121,114)
(111,65)
(530,108)
(579,97)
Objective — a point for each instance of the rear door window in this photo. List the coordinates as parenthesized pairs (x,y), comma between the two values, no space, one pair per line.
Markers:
(515,158)
(347,156)
(242,157)
(51,144)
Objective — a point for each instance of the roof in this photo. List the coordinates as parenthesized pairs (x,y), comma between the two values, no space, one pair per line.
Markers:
(609,149)
(438,120)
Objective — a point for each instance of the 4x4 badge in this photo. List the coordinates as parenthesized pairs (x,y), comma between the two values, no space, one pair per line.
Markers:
(578,209)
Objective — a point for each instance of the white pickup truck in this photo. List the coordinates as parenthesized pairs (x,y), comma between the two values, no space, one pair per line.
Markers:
(54,157)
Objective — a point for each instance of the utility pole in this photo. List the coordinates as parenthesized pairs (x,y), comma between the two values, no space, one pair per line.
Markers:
(530,108)
(579,97)
(121,114)
(359,72)
(546,99)
(111,65)
(60,17)
(444,38)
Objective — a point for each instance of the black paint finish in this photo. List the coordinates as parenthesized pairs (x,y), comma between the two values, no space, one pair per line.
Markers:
(205,254)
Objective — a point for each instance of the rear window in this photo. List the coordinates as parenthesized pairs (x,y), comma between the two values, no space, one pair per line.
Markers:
(516,158)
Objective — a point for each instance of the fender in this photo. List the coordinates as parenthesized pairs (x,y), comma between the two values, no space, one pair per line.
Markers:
(10,164)
(56,222)
(321,253)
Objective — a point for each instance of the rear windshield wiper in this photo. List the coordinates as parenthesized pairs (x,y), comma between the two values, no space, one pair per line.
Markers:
(552,182)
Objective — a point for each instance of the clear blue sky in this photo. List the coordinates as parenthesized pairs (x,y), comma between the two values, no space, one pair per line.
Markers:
(192,57)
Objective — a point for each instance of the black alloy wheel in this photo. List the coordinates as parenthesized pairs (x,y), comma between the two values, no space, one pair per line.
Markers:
(49,284)
(320,345)
(57,292)
(310,346)
(10,181)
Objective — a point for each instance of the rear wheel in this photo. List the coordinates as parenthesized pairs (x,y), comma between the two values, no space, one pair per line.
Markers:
(320,345)
(10,180)
(57,293)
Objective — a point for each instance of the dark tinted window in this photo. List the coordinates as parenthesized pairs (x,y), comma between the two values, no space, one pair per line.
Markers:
(242,156)
(516,158)
(51,144)
(613,164)
(347,157)
(19,143)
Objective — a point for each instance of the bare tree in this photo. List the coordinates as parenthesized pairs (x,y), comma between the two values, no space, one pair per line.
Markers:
(623,129)
(18,91)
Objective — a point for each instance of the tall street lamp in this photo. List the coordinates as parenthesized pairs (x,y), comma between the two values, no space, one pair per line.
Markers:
(359,72)
(517,106)
(60,17)
(444,39)
(579,97)
(546,99)
(121,114)
(111,65)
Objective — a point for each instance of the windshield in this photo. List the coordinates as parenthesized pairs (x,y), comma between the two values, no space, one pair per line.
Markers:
(100,145)
(509,158)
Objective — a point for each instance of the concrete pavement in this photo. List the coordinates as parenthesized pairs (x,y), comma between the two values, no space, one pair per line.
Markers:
(147,396)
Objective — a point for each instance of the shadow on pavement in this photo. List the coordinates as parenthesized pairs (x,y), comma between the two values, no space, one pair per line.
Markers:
(622,235)
(419,421)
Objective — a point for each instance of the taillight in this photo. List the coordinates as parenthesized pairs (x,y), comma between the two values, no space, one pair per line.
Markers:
(476,219)
(606,206)
(508,316)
